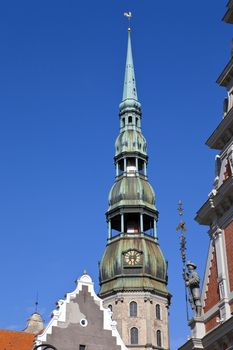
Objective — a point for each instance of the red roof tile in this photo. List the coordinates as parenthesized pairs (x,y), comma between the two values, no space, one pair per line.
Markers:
(14,340)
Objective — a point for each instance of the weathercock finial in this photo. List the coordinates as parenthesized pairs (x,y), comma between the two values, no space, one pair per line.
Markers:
(128,15)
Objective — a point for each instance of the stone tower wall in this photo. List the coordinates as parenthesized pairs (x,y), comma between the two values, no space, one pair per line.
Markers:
(145,321)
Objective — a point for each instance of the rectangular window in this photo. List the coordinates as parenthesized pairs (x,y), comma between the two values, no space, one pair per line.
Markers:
(82,347)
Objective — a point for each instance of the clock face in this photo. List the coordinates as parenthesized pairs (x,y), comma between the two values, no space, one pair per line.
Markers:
(132,257)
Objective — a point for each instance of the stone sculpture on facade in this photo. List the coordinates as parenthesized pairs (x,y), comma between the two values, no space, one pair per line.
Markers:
(192,282)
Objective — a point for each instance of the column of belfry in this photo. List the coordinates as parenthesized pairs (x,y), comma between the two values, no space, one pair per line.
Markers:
(133,271)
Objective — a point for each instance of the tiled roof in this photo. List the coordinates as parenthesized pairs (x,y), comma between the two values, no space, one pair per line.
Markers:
(14,340)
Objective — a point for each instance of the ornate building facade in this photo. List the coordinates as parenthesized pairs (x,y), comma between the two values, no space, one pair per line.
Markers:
(133,271)
(215,328)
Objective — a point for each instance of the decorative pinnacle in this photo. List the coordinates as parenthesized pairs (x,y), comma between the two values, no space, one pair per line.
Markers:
(182,229)
(181,225)
(36,303)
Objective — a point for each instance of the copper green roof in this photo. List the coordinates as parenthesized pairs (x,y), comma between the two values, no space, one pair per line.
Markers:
(131,141)
(132,214)
(130,90)
(132,191)
(151,276)
(130,98)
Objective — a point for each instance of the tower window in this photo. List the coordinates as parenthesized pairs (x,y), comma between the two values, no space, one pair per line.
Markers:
(132,223)
(141,167)
(110,307)
(115,225)
(133,309)
(159,338)
(136,121)
(158,312)
(148,225)
(134,335)
(130,119)
(131,167)
(123,122)
(120,167)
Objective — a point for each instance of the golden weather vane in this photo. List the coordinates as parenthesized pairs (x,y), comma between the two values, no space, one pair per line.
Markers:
(129,16)
(181,225)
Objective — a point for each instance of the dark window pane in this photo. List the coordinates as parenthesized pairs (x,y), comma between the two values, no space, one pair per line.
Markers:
(134,335)
(133,309)
(158,312)
(159,338)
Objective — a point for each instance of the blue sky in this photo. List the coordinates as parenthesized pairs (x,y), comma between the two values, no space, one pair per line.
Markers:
(62,69)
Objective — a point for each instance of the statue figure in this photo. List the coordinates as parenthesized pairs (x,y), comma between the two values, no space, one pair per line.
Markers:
(192,282)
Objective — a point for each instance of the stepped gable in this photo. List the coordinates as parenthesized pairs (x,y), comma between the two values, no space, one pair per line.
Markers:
(81,321)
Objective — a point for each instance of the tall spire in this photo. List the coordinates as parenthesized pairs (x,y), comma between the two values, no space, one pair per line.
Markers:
(130,99)
(130,91)
(133,266)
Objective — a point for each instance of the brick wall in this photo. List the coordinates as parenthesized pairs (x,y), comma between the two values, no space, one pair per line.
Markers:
(211,323)
(229,250)
(231,305)
(212,295)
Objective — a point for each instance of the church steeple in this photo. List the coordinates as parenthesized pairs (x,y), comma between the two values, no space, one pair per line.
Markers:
(133,261)
(130,106)
(130,91)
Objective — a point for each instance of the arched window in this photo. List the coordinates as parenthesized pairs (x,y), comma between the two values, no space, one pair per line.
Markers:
(134,335)
(136,121)
(130,119)
(123,122)
(158,312)
(110,307)
(133,309)
(159,338)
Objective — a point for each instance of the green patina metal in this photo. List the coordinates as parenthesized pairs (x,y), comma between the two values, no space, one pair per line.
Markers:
(130,90)
(132,195)
(131,191)
(131,141)
(130,98)
(151,275)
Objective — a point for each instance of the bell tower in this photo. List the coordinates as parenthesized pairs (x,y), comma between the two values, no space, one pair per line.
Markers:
(133,271)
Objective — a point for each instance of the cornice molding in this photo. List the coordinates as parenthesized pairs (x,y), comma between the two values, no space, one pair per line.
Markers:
(218,204)
(223,133)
